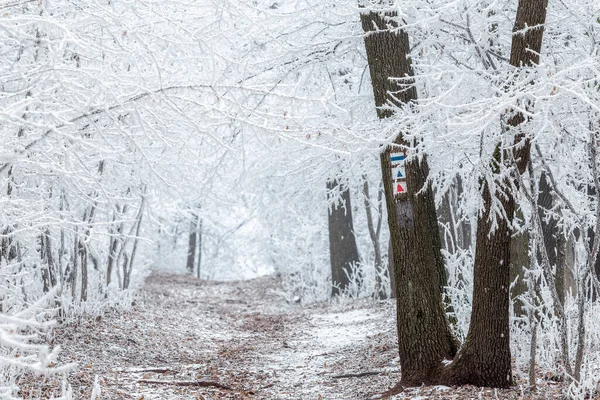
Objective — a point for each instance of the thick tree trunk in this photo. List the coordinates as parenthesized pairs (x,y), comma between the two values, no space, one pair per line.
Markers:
(343,252)
(418,267)
(391,269)
(485,358)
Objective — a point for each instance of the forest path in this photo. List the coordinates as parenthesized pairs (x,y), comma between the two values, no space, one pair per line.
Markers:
(242,335)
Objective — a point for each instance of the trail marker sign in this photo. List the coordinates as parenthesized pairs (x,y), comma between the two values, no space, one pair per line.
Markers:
(398,172)
(399,187)
(398,159)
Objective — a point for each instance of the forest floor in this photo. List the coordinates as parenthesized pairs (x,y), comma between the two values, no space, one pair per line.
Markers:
(190,339)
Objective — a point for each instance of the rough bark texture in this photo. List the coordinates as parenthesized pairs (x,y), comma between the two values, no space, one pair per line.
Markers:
(343,251)
(485,359)
(419,271)
(391,269)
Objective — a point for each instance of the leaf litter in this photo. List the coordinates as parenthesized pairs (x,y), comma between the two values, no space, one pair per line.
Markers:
(186,338)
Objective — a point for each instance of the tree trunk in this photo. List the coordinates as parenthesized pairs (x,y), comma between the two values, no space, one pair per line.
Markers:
(485,359)
(84,269)
(74,265)
(343,252)
(595,269)
(561,266)
(554,241)
(127,270)
(199,263)
(374,235)
(519,262)
(419,271)
(49,273)
(191,255)
(114,244)
(391,269)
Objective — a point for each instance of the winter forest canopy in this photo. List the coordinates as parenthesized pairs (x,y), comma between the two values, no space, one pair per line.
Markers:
(442,153)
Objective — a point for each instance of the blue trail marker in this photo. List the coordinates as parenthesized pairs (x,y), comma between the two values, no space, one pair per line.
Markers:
(397,157)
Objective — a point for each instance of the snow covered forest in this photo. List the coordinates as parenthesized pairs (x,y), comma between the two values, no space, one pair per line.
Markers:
(299,199)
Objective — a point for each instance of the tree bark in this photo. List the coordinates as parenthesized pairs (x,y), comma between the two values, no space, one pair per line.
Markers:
(485,359)
(343,252)
(418,267)
(391,269)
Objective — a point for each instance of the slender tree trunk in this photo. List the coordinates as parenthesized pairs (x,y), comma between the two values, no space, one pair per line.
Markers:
(554,241)
(84,269)
(114,244)
(83,249)
(595,269)
(343,252)
(448,235)
(125,265)
(48,273)
(199,263)
(127,271)
(561,266)
(418,267)
(74,266)
(519,263)
(374,235)
(193,235)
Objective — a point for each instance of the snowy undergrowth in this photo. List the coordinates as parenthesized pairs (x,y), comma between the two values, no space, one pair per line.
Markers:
(29,314)
(22,345)
(548,348)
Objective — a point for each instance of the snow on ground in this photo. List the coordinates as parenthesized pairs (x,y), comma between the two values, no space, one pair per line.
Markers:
(242,340)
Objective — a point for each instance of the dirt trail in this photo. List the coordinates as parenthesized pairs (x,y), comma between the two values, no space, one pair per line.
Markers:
(241,335)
